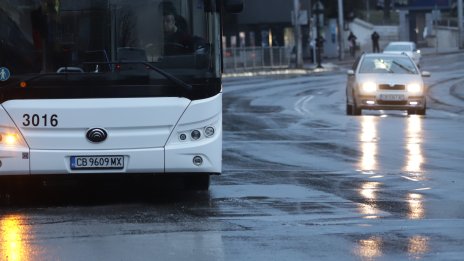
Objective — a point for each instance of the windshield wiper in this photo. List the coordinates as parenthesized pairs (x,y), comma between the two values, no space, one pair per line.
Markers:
(187,87)
(403,67)
(169,76)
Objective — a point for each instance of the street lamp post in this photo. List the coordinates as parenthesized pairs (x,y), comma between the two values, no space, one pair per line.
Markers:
(341,35)
(319,12)
(298,45)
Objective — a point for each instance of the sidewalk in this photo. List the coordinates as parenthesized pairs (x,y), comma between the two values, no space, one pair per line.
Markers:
(330,65)
(335,63)
(434,51)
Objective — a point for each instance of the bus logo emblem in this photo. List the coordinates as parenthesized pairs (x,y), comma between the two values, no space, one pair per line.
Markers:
(96,135)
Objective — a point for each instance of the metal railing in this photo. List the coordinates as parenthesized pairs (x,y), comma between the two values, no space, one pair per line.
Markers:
(448,22)
(255,58)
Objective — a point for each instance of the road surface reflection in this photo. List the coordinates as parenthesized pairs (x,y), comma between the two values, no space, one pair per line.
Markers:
(373,247)
(416,206)
(368,164)
(368,192)
(370,248)
(368,138)
(418,245)
(13,236)
(414,158)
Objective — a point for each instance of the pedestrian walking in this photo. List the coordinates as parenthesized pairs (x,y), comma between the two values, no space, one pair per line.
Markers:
(352,40)
(375,42)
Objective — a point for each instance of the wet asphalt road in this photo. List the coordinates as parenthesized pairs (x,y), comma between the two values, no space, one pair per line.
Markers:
(301,181)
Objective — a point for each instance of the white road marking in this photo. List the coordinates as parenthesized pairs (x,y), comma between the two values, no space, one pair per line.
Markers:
(300,105)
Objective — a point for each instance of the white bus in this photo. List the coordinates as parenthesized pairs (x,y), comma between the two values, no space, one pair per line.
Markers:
(111,87)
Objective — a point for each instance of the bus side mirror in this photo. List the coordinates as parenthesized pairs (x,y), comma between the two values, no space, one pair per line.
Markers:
(233,6)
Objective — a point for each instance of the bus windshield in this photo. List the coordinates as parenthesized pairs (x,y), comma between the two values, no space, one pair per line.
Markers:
(108,40)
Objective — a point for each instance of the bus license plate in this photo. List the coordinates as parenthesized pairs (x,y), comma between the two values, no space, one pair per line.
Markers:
(391,97)
(97,162)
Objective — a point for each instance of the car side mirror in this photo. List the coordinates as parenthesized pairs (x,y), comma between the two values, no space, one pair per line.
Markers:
(426,74)
(350,73)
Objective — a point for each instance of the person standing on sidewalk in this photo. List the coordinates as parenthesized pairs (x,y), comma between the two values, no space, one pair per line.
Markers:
(352,40)
(375,42)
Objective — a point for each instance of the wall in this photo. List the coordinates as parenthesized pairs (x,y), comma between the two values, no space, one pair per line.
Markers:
(363,31)
(445,38)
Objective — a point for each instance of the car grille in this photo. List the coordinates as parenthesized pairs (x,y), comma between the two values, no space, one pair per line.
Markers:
(392,87)
(380,102)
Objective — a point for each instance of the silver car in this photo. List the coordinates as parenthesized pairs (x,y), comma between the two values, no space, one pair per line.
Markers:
(385,82)
(408,48)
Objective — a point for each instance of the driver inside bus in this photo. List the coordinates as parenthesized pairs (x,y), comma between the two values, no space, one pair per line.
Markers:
(176,39)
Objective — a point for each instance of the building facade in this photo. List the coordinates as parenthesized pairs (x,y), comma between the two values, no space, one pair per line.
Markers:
(265,23)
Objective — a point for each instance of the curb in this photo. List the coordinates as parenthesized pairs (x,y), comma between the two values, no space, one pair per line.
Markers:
(451,51)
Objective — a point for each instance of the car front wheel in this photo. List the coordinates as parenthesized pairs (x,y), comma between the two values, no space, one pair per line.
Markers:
(349,109)
(417,111)
(356,111)
(421,111)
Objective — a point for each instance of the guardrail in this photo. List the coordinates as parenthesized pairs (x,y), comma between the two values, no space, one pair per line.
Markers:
(254,58)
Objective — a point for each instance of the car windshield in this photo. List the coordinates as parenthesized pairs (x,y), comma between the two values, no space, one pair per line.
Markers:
(398,48)
(396,65)
(90,37)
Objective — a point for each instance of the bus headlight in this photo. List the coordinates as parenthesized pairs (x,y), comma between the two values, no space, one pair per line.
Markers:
(414,88)
(11,138)
(195,134)
(209,131)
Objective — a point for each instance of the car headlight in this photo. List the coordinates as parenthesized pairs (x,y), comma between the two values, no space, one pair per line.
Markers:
(369,87)
(414,88)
